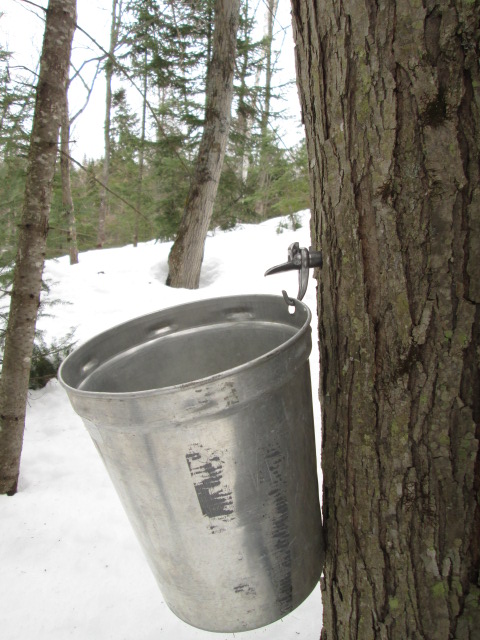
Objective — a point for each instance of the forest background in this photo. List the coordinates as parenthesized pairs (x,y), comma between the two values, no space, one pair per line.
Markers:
(137,98)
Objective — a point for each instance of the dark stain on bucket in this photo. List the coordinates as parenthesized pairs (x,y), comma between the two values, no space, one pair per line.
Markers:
(275,462)
(246,589)
(206,469)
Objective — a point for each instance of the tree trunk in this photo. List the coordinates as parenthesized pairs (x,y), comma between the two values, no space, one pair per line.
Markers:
(246,132)
(264,177)
(27,279)
(104,196)
(391,105)
(141,153)
(186,255)
(247,98)
(67,200)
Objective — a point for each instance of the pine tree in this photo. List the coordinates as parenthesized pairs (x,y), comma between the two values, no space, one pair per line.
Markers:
(16,109)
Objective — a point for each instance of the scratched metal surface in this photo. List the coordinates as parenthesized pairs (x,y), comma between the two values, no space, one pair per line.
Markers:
(202,415)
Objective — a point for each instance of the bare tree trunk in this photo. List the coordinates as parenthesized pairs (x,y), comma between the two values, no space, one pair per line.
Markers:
(391,105)
(186,255)
(141,155)
(264,177)
(27,280)
(247,127)
(67,200)
(246,106)
(104,196)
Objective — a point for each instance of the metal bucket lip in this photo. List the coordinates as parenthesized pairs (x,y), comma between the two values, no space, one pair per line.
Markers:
(226,373)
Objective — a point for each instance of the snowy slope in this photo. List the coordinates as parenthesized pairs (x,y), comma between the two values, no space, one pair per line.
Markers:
(70,564)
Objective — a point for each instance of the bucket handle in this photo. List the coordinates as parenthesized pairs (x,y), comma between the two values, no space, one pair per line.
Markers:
(301,259)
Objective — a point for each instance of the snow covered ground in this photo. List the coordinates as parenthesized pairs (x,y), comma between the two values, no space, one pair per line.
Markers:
(70,566)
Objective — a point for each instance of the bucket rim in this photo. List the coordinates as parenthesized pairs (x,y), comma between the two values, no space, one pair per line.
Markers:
(184,386)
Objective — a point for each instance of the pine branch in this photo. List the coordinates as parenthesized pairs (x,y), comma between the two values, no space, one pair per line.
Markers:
(113,193)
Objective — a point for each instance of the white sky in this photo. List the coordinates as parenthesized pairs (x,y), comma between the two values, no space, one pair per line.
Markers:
(21,32)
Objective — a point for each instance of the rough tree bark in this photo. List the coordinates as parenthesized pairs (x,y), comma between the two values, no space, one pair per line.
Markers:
(27,279)
(391,105)
(186,255)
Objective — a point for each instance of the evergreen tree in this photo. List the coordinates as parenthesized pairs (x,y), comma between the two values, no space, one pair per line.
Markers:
(162,51)
(16,108)
(166,44)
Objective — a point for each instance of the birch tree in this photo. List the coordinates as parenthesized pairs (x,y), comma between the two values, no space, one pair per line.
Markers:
(248,64)
(263,179)
(109,68)
(27,280)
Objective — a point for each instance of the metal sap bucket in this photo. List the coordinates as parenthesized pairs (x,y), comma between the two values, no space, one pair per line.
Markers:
(202,414)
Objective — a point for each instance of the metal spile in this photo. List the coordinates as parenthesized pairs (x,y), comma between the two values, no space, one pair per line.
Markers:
(301,259)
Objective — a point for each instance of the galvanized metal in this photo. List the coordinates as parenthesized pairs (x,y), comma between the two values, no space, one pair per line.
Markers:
(300,259)
(202,414)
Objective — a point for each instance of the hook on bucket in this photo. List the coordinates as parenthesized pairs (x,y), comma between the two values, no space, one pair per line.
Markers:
(300,259)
